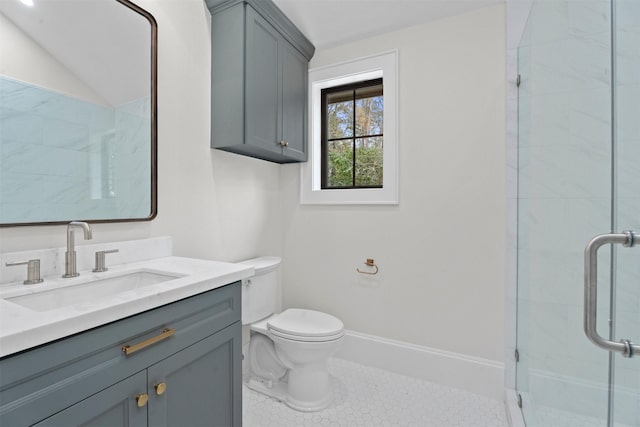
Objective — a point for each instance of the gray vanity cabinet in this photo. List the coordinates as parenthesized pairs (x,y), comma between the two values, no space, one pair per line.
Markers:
(111,407)
(190,378)
(200,380)
(259,64)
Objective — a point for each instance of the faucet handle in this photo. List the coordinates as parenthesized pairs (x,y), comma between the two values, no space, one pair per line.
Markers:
(100,262)
(33,270)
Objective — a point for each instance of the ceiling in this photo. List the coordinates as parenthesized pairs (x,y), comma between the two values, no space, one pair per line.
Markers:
(103,43)
(328,23)
(56,26)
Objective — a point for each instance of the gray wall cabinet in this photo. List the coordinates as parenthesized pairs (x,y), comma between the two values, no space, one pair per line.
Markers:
(259,64)
(192,378)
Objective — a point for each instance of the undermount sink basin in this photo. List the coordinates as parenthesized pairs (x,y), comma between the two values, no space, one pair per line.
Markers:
(89,292)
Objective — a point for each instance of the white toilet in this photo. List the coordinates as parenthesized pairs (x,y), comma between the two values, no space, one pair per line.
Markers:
(288,352)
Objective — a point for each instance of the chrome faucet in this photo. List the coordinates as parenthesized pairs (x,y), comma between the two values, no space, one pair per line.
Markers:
(70,269)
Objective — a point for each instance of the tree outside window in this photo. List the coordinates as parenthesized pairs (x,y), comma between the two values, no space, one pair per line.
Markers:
(352,135)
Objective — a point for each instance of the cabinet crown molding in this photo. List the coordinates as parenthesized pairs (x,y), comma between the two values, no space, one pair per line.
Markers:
(270,12)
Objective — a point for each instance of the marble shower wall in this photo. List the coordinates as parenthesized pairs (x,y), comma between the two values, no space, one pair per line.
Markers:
(64,158)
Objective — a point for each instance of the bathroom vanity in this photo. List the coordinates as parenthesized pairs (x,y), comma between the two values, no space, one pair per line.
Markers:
(163,353)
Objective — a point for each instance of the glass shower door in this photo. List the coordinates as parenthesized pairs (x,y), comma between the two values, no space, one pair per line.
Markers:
(578,176)
(625,402)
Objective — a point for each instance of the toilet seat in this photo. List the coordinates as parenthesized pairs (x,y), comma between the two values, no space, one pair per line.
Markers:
(305,325)
(305,339)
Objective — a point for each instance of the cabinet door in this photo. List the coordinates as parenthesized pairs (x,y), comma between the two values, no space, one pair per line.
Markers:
(262,100)
(203,384)
(115,406)
(294,102)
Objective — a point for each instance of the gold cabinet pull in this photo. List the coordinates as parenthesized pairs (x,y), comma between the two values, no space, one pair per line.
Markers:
(130,349)
(160,388)
(142,399)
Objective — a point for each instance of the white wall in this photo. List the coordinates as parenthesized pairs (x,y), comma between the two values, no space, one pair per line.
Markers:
(215,205)
(441,251)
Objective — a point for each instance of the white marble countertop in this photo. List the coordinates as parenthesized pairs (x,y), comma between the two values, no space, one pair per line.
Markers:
(22,328)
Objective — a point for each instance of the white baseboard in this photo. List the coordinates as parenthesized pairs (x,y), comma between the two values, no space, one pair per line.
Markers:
(474,374)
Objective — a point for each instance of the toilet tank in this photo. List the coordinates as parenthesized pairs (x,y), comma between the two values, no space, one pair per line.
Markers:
(261,292)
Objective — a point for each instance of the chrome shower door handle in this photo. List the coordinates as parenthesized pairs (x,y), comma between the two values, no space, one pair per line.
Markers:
(627,239)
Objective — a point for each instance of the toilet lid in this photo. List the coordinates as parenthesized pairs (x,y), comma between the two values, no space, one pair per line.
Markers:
(273,333)
(299,323)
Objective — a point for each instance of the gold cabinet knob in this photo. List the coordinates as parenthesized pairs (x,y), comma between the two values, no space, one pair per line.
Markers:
(160,388)
(142,399)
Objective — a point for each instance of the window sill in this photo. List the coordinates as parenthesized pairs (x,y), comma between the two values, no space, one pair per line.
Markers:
(361,196)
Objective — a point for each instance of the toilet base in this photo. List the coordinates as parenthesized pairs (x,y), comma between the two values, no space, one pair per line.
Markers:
(279,391)
(308,406)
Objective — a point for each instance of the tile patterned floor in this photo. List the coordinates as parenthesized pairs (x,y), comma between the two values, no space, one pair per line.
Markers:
(371,397)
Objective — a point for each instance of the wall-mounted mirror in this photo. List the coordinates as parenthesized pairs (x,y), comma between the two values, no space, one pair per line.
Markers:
(77,112)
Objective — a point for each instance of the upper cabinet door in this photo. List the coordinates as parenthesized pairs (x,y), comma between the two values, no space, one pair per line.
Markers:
(263,103)
(294,96)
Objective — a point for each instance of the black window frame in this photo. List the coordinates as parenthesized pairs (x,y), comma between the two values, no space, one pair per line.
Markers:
(324,140)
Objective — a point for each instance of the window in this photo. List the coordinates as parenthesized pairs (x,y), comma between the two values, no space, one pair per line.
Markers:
(352,135)
(352,146)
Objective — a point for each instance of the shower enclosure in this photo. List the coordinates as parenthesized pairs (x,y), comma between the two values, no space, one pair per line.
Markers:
(578,177)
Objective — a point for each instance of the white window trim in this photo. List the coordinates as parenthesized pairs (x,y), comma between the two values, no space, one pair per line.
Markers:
(383,65)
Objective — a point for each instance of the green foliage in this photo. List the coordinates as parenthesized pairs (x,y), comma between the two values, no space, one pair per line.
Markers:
(340,164)
(368,165)
(368,121)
